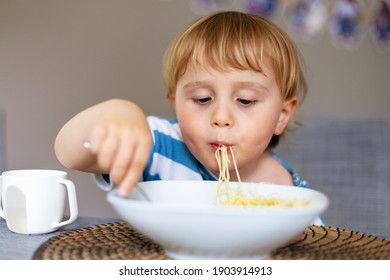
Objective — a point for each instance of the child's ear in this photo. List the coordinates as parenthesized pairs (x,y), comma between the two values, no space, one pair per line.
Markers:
(286,114)
(171,99)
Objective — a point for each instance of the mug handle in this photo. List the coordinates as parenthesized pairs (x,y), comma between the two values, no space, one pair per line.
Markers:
(72,202)
(2,214)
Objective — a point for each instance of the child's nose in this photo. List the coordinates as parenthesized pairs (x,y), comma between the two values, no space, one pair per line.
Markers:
(222,117)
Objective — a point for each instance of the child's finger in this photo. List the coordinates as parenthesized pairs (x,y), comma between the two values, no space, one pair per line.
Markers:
(123,158)
(97,137)
(136,167)
(129,181)
(108,151)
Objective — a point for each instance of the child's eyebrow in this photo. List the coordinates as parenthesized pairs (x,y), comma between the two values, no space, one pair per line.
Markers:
(244,84)
(251,85)
(195,84)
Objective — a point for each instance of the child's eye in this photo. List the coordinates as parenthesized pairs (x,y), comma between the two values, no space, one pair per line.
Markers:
(246,102)
(202,101)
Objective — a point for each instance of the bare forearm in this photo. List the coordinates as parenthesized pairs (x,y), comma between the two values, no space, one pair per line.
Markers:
(69,142)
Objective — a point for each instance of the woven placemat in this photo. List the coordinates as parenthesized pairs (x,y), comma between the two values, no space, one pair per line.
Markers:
(329,243)
(118,241)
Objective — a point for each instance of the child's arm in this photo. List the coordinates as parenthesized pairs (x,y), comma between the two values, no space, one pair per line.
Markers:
(120,142)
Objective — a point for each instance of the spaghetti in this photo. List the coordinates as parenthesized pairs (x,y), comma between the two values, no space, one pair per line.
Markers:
(228,196)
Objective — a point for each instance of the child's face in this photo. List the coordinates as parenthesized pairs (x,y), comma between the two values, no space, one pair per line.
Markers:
(237,108)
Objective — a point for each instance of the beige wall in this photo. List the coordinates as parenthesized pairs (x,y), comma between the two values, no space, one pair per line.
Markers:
(60,56)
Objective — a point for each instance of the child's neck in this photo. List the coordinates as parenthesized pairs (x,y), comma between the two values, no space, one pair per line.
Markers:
(266,169)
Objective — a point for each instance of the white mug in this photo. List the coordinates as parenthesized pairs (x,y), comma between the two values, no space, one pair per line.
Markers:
(33,201)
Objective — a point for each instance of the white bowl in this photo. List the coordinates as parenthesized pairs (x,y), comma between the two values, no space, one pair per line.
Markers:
(183,219)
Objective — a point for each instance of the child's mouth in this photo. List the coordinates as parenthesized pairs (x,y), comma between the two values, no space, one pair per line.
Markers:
(215,146)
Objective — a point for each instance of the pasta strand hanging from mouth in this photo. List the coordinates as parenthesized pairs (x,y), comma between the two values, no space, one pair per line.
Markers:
(225,195)
(228,196)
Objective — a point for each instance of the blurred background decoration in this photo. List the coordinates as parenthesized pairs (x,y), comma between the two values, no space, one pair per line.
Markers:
(347,22)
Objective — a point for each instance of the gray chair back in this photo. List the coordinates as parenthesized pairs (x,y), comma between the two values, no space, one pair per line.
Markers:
(349,161)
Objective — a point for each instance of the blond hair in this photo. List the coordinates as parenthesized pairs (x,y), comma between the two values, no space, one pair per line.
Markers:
(236,40)
(241,41)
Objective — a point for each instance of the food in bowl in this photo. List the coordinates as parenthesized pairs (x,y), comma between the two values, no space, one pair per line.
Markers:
(227,196)
(186,222)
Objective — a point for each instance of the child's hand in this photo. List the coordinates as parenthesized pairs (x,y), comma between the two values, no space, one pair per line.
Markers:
(122,144)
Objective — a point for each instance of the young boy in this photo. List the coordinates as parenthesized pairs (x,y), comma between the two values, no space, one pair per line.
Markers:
(233,79)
